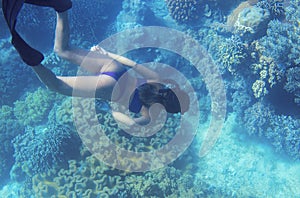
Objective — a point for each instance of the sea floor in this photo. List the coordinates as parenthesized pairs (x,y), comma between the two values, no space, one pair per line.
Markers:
(247,167)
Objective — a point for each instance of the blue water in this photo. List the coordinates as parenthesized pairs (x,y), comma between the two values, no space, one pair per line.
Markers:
(254,46)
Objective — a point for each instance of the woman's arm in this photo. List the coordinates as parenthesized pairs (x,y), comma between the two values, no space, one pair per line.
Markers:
(128,121)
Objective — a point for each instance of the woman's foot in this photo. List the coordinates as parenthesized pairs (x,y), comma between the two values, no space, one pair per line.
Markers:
(58,5)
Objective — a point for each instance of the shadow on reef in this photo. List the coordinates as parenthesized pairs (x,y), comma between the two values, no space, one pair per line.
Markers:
(282,101)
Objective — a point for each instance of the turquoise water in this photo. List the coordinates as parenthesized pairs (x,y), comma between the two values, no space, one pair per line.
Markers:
(254,46)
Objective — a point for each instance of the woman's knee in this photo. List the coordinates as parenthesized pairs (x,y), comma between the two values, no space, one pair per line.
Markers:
(60,89)
(63,53)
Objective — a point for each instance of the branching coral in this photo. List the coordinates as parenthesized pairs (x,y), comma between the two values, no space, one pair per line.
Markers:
(40,149)
(9,129)
(230,53)
(277,43)
(285,135)
(11,73)
(268,71)
(282,131)
(293,83)
(276,7)
(185,11)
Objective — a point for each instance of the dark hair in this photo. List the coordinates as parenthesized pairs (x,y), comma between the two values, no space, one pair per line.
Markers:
(150,93)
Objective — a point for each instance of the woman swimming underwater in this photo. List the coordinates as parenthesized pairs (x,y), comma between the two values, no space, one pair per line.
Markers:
(106,68)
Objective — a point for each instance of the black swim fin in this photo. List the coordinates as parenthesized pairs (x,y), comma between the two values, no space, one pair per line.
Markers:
(11,9)
(29,55)
(58,5)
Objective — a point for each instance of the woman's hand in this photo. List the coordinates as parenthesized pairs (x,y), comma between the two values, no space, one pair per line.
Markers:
(99,49)
(128,121)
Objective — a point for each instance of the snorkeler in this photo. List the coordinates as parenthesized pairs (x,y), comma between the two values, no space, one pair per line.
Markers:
(106,68)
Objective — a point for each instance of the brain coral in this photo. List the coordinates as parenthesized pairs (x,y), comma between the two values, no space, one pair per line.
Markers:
(252,20)
(91,178)
(64,113)
(184,11)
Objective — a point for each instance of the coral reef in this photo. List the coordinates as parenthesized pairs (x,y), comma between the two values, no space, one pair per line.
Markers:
(90,28)
(293,83)
(64,113)
(94,141)
(233,16)
(251,22)
(252,68)
(11,73)
(281,49)
(282,131)
(276,7)
(277,42)
(268,71)
(185,11)
(40,149)
(9,129)
(230,52)
(91,178)
(285,135)
(271,63)
(259,88)
(35,107)
(135,13)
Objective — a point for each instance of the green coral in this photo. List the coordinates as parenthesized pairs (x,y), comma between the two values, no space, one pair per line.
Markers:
(267,70)
(230,52)
(64,113)
(35,107)
(91,178)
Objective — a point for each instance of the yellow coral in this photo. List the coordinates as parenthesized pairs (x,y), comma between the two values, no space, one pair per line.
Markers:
(269,73)
(259,88)
(35,107)
(64,113)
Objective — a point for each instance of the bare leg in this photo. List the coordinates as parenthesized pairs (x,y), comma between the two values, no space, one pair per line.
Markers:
(92,63)
(51,80)
(81,86)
